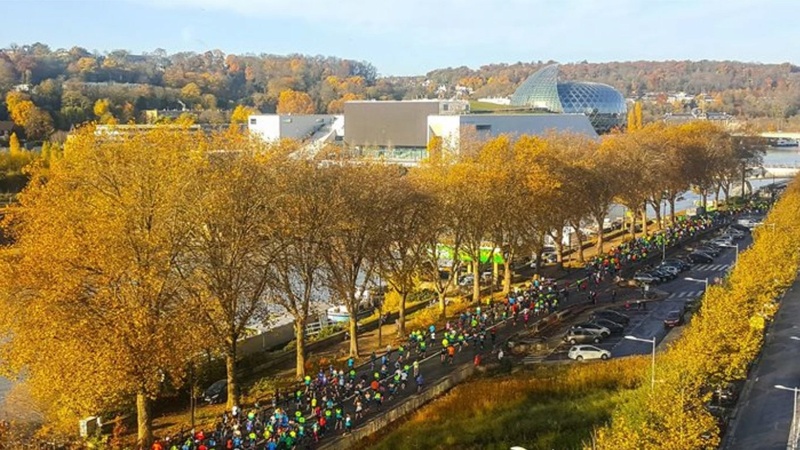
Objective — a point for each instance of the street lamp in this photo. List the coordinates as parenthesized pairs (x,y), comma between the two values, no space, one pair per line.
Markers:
(704,281)
(653,365)
(792,440)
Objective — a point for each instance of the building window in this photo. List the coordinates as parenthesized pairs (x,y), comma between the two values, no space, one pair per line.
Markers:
(253,121)
(483,127)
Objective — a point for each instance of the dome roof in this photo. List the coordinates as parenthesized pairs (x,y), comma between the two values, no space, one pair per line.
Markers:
(603,104)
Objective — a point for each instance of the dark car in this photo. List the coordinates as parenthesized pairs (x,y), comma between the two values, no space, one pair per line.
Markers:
(677,263)
(663,274)
(700,258)
(580,335)
(216,393)
(594,326)
(674,318)
(614,327)
(612,315)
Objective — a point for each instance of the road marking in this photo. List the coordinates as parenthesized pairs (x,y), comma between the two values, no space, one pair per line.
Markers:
(711,267)
(685,294)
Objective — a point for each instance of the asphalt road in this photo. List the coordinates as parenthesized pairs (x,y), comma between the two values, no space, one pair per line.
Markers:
(649,323)
(764,413)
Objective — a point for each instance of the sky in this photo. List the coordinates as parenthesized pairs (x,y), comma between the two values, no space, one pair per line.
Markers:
(412,37)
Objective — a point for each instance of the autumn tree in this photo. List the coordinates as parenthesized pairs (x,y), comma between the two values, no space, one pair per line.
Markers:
(102,110)
(14,147)
(303,224)
(241,113)
(404,257)
(364,203)
(295,102)
(227,267)
(94,274)
(445,237)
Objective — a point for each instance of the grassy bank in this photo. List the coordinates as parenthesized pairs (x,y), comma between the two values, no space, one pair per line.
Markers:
(543,408)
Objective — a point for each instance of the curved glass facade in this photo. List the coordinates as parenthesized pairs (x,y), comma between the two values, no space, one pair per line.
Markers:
(603,104)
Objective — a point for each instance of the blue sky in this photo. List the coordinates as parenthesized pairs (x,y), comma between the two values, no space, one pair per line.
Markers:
(406,37)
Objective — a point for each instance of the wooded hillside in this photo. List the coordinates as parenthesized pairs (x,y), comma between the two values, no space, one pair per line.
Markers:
(60,88)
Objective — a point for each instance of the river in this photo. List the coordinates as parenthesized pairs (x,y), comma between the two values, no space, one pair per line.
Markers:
(787,157)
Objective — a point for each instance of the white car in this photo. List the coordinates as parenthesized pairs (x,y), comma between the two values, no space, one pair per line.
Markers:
(722,242)
(581,352)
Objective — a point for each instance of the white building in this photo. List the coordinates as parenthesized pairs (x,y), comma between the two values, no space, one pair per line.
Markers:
(311,128)
(451,128)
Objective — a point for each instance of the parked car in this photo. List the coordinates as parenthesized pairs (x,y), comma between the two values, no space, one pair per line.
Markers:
(679,263)
(674,318)
(722,242)
(700,258)
(614,327)
(593,326)
(646,277)
(612,315)
(581,352)
(580,335)
(664,274)
(674,270)
(216,393)
(708,249)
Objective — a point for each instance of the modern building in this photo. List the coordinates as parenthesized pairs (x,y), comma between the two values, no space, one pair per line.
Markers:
(602,104)
(303,127)
(399,125)
(452,129)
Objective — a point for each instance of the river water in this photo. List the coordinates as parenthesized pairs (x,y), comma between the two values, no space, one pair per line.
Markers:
(773,157)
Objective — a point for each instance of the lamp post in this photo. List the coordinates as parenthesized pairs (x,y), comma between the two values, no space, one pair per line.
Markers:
(653,365)
(794,390)
(697,280)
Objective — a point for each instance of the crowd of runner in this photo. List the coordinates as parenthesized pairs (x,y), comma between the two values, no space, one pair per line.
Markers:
(334,401)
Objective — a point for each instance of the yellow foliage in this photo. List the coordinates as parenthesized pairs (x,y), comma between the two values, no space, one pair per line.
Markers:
(295,102)
(241,113)
(718,345)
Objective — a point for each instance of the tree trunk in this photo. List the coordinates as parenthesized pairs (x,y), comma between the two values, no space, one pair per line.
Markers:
(354,333)
(144,436)
(401,320)
(672,210)
(579,237)
(600,234)
(633,224)
(560,251)
(230,368)
(300,347)
(657,209)
(645,231)
(476,280)
(442,303)
(507,275)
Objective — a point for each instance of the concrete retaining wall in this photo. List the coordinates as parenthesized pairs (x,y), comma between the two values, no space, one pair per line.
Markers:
(398,411)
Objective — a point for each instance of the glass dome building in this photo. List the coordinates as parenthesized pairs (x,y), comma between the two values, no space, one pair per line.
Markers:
(603,104)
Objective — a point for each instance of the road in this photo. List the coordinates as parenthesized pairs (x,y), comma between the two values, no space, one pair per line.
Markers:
(764,413)
(649,323)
